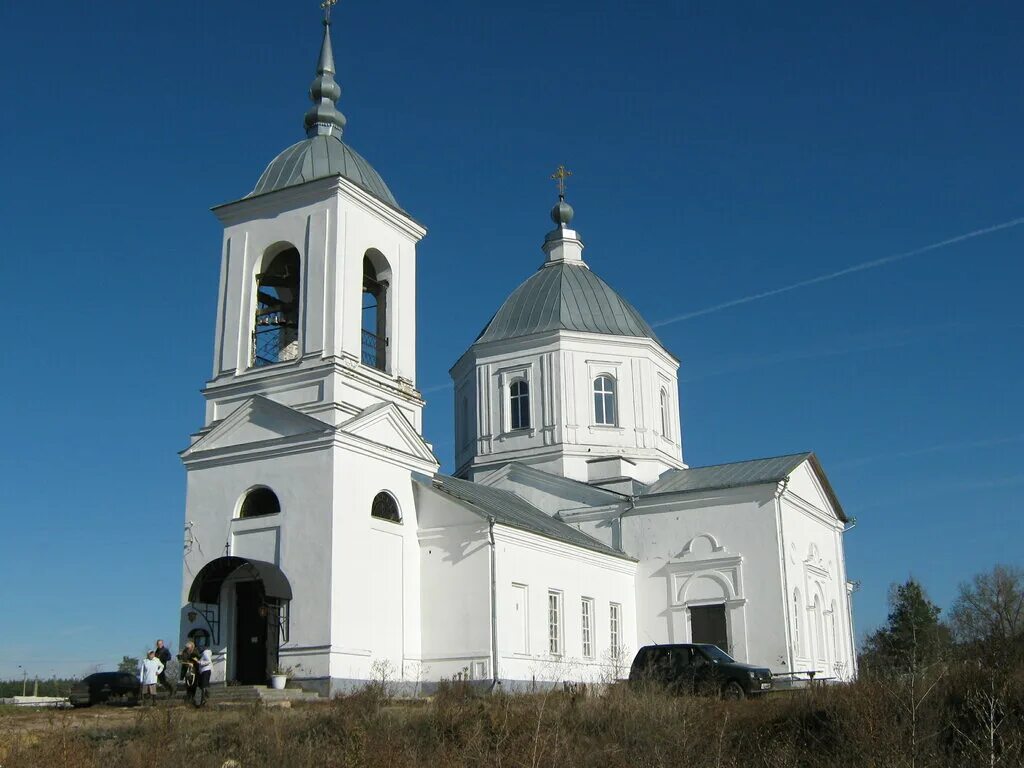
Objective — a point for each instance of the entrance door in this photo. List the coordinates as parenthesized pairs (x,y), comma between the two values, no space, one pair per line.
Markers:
(707,624)
(250,634)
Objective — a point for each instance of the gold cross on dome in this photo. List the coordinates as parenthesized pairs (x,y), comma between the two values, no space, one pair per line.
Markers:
(560,176)
(327,5)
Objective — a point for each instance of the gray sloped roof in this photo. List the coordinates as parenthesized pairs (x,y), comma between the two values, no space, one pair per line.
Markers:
(734,475)
(566,297)
(740,474)
(508,509)
(319,157)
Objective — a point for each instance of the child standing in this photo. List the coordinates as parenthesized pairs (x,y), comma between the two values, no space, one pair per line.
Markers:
(151,670)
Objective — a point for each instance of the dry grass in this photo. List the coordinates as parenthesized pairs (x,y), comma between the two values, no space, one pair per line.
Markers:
(941,718)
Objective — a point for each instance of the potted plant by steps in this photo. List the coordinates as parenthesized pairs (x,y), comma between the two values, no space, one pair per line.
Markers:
(279,677)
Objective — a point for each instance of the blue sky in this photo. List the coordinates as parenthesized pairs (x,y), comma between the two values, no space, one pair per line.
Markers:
(720,151)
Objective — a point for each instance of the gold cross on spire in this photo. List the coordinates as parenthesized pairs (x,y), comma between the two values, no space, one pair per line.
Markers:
(327,5)
(560,176)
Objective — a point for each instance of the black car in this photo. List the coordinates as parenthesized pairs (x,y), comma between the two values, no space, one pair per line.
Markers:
(698,668)
(106,687)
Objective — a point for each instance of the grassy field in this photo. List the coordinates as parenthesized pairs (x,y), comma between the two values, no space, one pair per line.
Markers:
(939,719)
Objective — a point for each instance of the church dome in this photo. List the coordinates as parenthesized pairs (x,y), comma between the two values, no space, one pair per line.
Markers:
(322,153)
(319,157)
(565,297)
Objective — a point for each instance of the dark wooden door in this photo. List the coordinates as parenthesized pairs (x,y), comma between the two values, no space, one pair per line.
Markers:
(250,635)
(707,623)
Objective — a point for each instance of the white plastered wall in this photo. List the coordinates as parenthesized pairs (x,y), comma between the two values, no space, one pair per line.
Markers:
(455,588)
(299,536)
(332,224)
(536,565)
(563,436)
(375,585)
(711,549)
(822,639)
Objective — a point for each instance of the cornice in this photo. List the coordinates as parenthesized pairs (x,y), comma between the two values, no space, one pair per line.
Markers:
(386,453)
(685,499)
(681,564)
(264,449)
(621,563)
(605,512)
(810,510)
(551,341)
(321,368)
(310,193)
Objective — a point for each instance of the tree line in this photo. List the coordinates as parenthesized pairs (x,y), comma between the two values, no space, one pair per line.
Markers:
(984,625)
(51,686)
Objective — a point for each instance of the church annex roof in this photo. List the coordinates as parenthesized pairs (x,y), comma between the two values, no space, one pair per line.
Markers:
(322,153)
(508,509)
(568,297)
(741,474)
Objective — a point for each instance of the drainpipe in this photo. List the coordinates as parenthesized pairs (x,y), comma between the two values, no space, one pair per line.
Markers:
(495,680)
(618,532)
(786,597)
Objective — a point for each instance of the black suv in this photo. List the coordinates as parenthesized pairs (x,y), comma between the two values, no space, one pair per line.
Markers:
(697,668)
(105,686)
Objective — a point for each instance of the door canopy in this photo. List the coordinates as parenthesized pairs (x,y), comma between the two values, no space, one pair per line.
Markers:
(208,582)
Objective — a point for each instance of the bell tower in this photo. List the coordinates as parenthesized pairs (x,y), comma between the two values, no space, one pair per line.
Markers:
(299,483)
(317,299)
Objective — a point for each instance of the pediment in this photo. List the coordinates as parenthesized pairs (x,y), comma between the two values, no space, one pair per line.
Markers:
(385,425)
(258,420)
(809,482)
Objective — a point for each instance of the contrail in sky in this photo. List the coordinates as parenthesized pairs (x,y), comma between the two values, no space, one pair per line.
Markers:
(847,271)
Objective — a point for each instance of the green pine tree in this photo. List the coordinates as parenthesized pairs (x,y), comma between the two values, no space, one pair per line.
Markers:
(912,637)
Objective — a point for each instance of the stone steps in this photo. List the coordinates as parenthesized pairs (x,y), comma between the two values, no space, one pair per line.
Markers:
(243,694)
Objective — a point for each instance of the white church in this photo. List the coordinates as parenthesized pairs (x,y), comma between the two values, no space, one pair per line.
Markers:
(321,536)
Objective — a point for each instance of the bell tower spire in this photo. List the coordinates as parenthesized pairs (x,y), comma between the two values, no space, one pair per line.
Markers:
(323,118)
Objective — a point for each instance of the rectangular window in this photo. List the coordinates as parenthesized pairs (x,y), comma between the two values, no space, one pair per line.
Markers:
(614,636)
(520,605)
(587,627)
(519,404)
(604,401)
(555,623)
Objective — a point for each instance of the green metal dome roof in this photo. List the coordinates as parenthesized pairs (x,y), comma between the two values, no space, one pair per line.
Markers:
(322,153)
(317,158)
(567,297)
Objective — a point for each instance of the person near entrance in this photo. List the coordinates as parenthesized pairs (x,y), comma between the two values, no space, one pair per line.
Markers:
(151,669)
(189,660)
(163,653)
(205,665)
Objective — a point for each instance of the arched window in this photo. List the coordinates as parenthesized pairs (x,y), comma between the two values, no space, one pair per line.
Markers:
(259,502)
(275,335)
(385,507)
(519,399)
(665,417)
(375,310)
(604,401)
